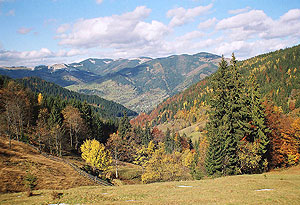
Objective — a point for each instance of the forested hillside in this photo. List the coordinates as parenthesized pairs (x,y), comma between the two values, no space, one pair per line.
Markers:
(104,108)
(54,124)
(277,74)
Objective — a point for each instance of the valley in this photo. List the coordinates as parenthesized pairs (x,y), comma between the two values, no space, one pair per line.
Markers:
(172,149)
(139,84)
(149,102)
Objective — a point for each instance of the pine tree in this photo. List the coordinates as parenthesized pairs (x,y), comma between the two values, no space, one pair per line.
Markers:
(55,115)
(235,118)
(214,157)
(258,131)
(124,127)
(168,142)
(215,152)
(227,121)
(86,114)
(146,137)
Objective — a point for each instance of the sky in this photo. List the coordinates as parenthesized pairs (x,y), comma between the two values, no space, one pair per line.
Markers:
(35,32)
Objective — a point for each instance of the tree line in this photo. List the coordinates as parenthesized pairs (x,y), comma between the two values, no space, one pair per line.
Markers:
(104,108)
(53,124)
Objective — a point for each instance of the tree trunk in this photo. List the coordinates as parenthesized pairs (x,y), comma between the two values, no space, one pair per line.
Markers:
(71,138)
(40,147)
(76,141)
(117,176)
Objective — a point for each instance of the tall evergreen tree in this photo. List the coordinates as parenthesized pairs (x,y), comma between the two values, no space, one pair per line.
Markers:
(55,116)
(146,137)
(124,127)
(227,122)
(215,151)
(169,142)
(258,129)
(86,114)
(236,115)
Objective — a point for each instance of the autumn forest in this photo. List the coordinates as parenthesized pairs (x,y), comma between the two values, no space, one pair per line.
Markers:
(246,115)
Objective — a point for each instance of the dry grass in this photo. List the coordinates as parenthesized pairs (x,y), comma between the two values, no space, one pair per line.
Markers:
(284,185)
(50,174)
(246,189)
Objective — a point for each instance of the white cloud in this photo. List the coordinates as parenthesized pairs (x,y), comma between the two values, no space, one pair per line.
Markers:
(207,24)
(287,26)
(63,28)
(118,31)
(99,1)
(256,24)
(238,11)
(252,33)
(191,35)
(244,49)
(255,19)
(24,30)
(35,57)
(132,34)
(180,16)
(291,15)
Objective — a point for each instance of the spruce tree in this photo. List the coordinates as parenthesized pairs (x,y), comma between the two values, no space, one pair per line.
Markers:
(146,137)
(227,119)
(55,116)
(215,152)
(169,142)
(258,129)
(86,113)
(124,127)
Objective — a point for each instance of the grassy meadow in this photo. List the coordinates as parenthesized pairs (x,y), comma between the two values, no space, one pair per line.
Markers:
(276,187)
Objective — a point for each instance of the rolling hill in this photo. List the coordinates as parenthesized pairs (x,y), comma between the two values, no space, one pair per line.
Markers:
(22,157)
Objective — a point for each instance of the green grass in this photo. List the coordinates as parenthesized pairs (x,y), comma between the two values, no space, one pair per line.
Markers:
(284,185)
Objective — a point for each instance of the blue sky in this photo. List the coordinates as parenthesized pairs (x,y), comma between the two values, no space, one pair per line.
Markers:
(34,32)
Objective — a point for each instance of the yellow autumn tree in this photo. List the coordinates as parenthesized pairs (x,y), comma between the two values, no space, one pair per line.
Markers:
(40,98)
(143,154)
(95,154)
(188,158)
(164,167)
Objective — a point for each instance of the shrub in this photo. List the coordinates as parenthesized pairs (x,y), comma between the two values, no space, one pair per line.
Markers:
(30,181)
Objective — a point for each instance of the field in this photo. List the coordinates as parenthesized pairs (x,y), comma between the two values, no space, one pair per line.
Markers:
(58,183)
(276,187)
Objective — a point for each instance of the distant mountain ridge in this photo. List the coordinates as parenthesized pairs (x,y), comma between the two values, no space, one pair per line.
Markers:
(139,84)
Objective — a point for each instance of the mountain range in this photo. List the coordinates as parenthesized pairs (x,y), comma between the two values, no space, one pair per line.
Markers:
(139,84)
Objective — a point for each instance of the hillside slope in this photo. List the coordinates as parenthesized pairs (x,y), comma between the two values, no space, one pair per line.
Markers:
(105,108)
(144,86)
(21,158)
(278,74)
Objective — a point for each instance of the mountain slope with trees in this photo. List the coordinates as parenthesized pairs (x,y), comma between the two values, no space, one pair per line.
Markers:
(103,107)
(54,124)
(277,74)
